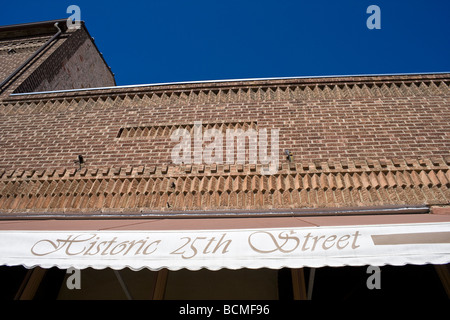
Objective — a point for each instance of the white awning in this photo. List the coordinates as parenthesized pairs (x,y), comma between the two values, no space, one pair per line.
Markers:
(232,243)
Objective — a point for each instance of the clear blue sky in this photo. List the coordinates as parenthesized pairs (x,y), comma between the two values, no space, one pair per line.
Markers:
(192,40)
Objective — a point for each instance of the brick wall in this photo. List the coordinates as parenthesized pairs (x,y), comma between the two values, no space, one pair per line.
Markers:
(363,141)
(315,122)
(16,51)
(84,69)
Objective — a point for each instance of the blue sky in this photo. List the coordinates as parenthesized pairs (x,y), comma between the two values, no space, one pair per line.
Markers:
(194,40)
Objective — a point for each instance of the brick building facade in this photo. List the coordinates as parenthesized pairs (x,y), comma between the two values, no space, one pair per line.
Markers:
(360,146)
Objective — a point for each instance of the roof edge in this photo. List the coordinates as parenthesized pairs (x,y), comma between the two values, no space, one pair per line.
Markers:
(31,29)
(208,84)
(91,38)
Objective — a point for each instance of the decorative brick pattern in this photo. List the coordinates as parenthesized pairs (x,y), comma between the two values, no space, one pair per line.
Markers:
(52,132)
(267,90)
(148,132)
(215,187)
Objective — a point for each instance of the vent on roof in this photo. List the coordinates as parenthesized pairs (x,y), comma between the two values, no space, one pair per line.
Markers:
(149,132)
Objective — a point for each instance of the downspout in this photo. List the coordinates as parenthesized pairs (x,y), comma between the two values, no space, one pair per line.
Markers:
(45,45)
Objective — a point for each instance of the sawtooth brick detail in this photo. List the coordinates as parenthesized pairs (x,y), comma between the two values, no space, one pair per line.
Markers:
(171,188)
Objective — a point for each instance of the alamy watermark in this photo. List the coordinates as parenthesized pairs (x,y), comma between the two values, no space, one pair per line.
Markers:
(74,21)
(374,20)
(374,280)
(211,146)
(74,280)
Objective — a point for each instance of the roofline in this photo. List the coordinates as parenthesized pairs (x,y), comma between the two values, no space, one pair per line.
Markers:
(17,31)
(31,24)
(83,24)
(226,81)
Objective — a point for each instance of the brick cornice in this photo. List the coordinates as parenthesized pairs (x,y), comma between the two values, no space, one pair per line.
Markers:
(320,87)
(221,187)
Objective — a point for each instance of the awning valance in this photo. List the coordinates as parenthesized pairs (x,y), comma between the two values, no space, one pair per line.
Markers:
(232,243)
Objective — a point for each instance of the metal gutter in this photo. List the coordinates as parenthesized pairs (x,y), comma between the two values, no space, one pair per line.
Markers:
(143,214)
(34,55)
